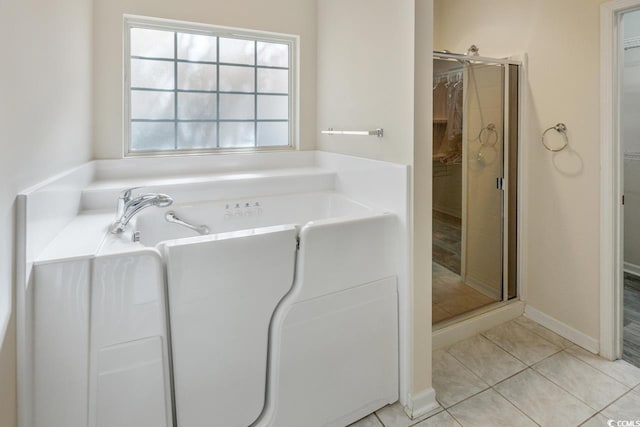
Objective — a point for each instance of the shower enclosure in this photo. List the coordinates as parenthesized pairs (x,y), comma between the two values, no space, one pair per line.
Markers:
(475,170)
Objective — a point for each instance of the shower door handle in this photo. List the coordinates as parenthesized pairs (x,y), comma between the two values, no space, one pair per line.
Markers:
(500,183)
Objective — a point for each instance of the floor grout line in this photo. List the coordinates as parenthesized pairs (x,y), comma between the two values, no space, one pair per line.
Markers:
(541,336)
(516,357)
(463,364)
(375,414)
(600,370)
(610,404)
(577,397)
(463,400)
(454,418)
(565,390)
(515,406)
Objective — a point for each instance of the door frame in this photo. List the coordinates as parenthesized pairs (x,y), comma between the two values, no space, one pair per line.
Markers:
(611,180)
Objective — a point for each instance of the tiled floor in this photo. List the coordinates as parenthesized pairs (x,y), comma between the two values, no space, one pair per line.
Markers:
(452,297)
(631,332)
(447,240)
(521,374)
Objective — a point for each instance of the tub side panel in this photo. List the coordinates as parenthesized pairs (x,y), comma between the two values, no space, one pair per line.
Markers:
(336,334)
(223,292)
(338,357)
(60,343)
(129,368)
(338,255)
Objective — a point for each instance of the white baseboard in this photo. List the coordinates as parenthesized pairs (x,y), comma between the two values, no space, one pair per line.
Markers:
(476,324)
(483,288)
(562,329)
(632,269)
(421,404)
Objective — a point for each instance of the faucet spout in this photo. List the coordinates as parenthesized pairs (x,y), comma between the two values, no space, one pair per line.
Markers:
(128,207)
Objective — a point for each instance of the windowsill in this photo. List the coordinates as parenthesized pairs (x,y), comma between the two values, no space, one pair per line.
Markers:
(189,153)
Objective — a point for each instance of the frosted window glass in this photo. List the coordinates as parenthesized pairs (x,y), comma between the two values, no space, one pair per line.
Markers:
(273,54)
(237,107)
(196,76)
(151,105)
(237,135)
(197,88)
(194,47)
(152,74)
(151,43)
(273,107)
(237,79)
(274,81)
(237,51)
(273,134)
(196,135)
(152,136)
(196,106)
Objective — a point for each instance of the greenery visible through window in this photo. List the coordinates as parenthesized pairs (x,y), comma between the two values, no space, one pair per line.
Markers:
(206,89)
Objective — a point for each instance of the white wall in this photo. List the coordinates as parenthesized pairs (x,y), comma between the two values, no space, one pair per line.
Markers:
(365,76)
(45,125)
(375,70)
(422,195)
(284,16)
(562,260)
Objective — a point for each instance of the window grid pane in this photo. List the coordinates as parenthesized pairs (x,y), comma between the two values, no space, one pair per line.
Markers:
(231,117)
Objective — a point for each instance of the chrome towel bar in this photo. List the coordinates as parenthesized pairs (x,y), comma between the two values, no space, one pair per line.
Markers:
(377,132)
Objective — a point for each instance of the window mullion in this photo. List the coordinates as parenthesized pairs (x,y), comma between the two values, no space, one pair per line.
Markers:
(255,95)
(218,92)
(175,89)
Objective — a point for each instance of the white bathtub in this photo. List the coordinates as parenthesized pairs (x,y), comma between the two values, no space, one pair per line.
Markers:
(224,216)
(285,315)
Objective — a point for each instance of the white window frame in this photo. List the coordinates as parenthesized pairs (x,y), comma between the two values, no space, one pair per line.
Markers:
(134,21)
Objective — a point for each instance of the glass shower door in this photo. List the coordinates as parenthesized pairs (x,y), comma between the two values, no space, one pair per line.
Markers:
(474,207)
(482,241)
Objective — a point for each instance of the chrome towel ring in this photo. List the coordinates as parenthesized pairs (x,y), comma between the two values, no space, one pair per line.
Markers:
(490,135)
(561,128)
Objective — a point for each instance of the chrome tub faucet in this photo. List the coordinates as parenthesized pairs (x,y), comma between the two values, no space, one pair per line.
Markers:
(129,206)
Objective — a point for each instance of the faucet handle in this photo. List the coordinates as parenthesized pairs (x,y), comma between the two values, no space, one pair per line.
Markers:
(123,199)
(125,195)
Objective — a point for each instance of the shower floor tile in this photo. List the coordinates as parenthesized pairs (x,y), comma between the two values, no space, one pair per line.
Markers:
(452,297)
